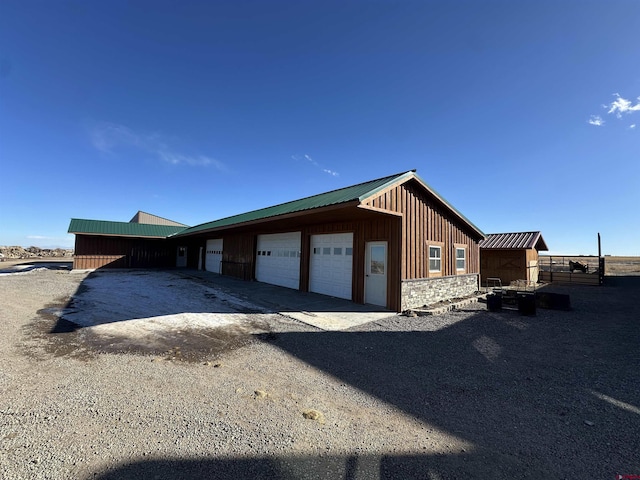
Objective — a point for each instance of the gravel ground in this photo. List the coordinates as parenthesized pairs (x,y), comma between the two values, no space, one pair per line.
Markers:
(468,394)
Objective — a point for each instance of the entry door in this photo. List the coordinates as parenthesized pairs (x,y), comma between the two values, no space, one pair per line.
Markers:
(213,260)
(181,257)
(375,281)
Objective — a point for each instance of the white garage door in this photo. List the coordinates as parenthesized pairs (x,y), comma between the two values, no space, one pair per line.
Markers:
(213,260)
(331,264)
(278,259)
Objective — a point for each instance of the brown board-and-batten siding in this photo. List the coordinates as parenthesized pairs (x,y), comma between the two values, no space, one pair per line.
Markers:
(239,249)
(96,251)
(425,220)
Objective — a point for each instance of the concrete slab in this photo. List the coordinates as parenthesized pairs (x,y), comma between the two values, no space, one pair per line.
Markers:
(320,311)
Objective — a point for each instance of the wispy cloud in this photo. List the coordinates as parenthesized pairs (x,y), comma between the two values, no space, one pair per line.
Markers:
(108,137)
(307,158)
(596,120)
(622,105)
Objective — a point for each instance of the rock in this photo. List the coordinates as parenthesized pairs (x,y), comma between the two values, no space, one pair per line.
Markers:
(314,415)
(17,252)
(260,394)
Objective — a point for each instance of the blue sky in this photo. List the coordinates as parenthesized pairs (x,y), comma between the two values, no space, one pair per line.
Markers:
(525,115)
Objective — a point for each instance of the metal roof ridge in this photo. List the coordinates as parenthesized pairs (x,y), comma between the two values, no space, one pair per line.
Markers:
(392,179)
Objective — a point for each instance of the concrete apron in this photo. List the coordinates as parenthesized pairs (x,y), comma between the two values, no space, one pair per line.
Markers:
(319,311)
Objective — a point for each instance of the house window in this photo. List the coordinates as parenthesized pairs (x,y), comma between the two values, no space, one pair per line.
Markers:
(461,259)
(435,259)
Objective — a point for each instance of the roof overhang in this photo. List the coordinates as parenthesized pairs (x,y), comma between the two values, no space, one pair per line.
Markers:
(344,211)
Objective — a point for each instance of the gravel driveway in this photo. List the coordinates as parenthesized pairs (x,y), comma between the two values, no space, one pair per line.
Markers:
(469,394)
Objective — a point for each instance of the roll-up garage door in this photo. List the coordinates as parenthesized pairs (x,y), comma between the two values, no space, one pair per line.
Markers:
(331,264)
(213,259)
(278,259)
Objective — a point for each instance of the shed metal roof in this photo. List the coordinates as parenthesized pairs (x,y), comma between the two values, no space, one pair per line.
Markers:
(353,194)
(123,229)
(514,241)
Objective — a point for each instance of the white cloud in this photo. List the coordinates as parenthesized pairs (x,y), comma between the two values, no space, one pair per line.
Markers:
(633,126)
(596,120)
(622,105)
(108,137)
(310,160)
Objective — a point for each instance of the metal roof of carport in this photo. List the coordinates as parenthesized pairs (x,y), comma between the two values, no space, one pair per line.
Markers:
(121,229)
(354,194)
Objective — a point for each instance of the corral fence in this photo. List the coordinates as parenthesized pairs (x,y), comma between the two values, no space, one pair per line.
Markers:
(577,269)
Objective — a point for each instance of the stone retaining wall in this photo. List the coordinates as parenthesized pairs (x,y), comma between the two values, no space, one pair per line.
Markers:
(427,291)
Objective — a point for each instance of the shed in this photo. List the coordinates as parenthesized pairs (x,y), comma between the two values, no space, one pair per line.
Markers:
(511,257)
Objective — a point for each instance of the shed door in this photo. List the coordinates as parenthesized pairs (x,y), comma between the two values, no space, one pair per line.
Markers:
(213,260)
(278,259)
(331,264)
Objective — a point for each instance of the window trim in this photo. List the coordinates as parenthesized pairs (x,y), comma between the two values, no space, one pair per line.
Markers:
(439,258)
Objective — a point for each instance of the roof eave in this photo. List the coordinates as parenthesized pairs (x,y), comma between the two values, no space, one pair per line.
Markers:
(258,221)
(99,234)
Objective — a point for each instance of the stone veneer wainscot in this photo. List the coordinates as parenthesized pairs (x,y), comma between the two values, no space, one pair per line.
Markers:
(427,291)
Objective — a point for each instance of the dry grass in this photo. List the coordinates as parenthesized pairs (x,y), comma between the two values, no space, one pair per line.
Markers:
(621,265)
(613,265)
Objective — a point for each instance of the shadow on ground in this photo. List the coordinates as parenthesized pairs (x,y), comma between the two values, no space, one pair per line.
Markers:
(552,396)
(348,467)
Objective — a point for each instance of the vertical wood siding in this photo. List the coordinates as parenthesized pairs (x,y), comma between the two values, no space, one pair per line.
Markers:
(239,252)
(95,251)
(425,220)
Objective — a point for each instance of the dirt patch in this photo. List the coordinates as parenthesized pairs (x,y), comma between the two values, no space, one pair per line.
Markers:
(54,335)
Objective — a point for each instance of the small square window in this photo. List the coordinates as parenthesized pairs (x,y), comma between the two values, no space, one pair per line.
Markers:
(326,250)
(337,251)
(348,251)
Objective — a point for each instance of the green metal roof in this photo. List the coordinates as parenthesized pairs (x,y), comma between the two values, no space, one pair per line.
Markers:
(353,194)
(335,197)
(123,229)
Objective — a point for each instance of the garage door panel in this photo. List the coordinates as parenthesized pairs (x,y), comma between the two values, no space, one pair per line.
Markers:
(331,264)
(278,259)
